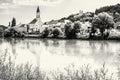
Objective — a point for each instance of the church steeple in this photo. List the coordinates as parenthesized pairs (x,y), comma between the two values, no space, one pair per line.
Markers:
(38,12)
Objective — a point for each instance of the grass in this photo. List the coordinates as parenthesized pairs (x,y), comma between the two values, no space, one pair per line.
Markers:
(83,73)
(8,71)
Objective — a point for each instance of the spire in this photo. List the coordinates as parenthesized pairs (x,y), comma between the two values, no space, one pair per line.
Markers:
(38,10)
(38,13)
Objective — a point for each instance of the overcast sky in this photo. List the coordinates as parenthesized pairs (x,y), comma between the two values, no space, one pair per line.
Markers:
(25,10)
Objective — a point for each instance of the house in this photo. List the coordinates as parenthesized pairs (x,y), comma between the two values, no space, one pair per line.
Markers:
(21,28)
(36,23)
(2,27)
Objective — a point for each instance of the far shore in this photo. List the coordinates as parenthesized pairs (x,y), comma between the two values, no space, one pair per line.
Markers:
(60,38)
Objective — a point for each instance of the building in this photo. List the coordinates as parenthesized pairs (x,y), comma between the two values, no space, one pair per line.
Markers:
(21,28)
(36,23)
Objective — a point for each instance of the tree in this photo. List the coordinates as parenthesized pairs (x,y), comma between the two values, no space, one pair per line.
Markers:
(13,22)
(103,21)
(68,29)
(9,24)
(72,30)
(77,26)
(111,9)
(56,32)
(45,33)
(12,32)
(76,29)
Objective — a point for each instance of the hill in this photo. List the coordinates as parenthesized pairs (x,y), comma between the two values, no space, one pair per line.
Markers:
(110,9)
(113,10)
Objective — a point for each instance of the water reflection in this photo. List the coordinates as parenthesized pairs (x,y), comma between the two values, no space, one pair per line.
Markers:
(52,54)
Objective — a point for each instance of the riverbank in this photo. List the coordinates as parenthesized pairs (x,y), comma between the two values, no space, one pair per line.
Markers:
(36,37)
(9,71)
(113,35)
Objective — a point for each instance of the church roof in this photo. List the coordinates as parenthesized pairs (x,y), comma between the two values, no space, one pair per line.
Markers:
(33,21)
(38,10)
(23,25)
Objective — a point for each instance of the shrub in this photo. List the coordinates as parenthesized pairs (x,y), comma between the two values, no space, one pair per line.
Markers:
(8,71)
(57,32)
(11,32)
(103,21)
(72,30)
(45,33)
(68,29)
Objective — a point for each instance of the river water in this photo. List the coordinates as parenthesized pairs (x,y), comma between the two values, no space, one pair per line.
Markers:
(57,54)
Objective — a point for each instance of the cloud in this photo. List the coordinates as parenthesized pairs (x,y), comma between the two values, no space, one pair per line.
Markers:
(6,1)
(6,4)
(37,2)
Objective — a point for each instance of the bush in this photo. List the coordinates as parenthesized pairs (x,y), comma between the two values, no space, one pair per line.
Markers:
(8,71)
(57,32)
(103,21)
(68,29)
(45,33)
(11,32)
(71,31)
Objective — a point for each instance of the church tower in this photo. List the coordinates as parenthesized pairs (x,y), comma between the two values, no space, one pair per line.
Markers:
(36,24)
(38,18)
(38,13)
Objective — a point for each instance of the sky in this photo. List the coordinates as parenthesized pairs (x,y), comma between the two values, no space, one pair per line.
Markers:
(25,10)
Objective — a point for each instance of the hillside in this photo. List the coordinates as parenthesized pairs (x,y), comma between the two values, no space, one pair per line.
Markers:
(110,9)
(113,10)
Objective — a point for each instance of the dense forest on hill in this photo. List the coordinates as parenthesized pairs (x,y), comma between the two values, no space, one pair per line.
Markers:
(114,10)
(111,9)
(101,21)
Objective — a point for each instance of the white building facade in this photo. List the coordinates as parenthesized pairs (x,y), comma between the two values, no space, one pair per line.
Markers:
(36,24)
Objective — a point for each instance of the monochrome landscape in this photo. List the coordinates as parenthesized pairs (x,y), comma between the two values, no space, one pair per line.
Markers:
(59,40)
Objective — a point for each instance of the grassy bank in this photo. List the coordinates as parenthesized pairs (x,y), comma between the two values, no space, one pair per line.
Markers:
(9,71)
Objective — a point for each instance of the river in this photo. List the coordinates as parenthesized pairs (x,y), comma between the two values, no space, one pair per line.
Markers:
(57,54)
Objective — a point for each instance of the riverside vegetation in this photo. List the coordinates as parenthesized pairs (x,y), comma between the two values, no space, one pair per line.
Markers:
(10,71)
(101,26)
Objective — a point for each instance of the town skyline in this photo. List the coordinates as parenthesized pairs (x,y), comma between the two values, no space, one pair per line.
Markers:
(25,10)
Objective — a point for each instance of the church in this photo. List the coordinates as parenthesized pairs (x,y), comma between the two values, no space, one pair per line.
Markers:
(36,24)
